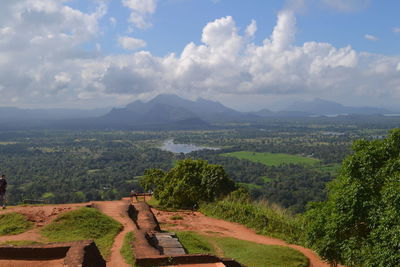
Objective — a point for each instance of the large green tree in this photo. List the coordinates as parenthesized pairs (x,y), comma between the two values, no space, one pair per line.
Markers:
(359,224)
(188,184)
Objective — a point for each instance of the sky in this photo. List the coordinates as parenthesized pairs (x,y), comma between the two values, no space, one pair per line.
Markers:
(248,55)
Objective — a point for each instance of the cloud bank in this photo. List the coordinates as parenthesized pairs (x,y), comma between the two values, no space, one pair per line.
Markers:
(41,62)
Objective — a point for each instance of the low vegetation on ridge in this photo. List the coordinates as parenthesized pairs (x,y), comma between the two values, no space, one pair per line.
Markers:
(265,218)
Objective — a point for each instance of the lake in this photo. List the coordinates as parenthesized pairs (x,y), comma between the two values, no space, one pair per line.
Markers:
(169,145)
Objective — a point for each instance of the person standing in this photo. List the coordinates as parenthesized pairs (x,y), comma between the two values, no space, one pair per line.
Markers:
(3,187)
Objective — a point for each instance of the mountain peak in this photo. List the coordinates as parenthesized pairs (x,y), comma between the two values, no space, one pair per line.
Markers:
(167,98)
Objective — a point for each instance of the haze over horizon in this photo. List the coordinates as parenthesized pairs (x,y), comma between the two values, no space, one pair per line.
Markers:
(247,55)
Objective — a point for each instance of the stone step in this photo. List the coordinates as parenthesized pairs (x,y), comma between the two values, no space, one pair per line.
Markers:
(167,243)
(173,251)
(173,243)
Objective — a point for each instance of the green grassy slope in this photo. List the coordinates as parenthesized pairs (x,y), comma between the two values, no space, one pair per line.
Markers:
(14,223)
(81,224)
(261,216)
(247,253)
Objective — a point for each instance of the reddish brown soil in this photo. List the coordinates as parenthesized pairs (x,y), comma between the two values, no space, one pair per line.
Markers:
(42,215)
(22,263)
(196,221)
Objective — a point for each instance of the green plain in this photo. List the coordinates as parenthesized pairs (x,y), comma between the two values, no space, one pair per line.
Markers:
(271,159)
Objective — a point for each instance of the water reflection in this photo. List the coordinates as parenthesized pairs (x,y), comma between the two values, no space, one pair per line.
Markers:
(169,145)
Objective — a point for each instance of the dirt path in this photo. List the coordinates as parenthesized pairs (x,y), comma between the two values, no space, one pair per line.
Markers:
(196,221)
(119,211)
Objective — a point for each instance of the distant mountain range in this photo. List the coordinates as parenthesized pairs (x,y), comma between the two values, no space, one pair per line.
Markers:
(324,107)
(166,111)
(11,114)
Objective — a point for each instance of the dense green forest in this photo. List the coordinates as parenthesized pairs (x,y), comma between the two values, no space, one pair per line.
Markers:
(358,225)
(340,197)
(72,166)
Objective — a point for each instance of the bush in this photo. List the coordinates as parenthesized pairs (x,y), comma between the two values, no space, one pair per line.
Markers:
(188,184)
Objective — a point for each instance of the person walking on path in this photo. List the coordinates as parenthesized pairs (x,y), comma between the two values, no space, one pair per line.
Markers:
(3,187)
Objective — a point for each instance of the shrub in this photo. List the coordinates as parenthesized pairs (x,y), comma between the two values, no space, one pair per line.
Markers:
(188,184)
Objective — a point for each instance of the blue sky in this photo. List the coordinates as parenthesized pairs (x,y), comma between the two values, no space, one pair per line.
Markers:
(247,54)
(178,22)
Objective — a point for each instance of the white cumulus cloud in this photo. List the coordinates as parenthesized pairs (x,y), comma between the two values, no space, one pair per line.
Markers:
(141,10)
(41,62)
(371,37)
(130,43)
(284,31)
(251,29)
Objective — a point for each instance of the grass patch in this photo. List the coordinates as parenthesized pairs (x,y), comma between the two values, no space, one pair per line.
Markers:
(271,159)
(14,223)
(258,255)
(167,225)
(153,202)
(267,219)
(195,243)
(176,217)
(81,224)
(21,243)
(156,204)
(127,249)
(247,253)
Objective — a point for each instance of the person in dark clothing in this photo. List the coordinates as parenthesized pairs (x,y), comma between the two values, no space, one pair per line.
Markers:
(134,195)
(3,187)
